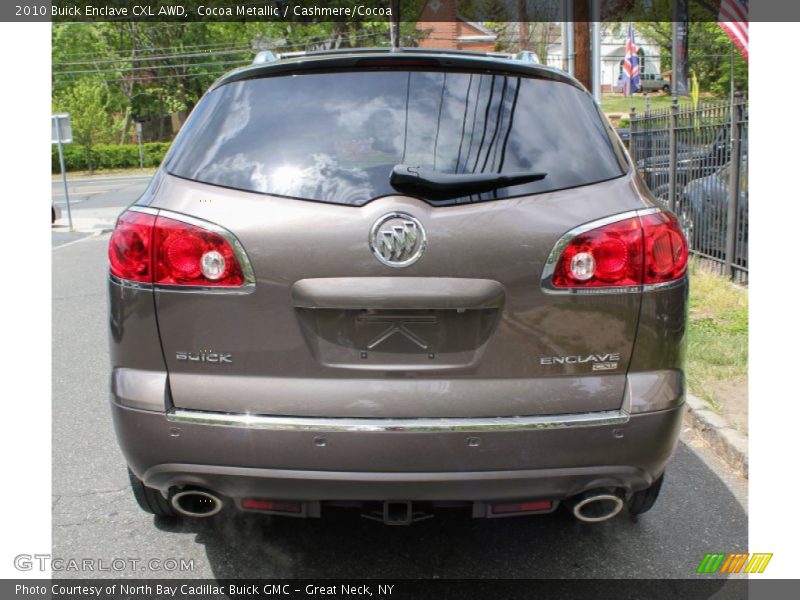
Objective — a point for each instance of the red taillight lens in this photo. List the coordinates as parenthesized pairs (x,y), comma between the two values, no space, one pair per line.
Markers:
(665,249)
(639,250)
(130,247)
(613,254)
(189,255)
(150,249)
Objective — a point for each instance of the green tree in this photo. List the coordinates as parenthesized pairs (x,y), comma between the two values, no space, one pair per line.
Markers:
(711,53)
(153,69)
(87,103)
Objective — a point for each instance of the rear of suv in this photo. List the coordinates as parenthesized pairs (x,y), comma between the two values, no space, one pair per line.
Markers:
(397,280)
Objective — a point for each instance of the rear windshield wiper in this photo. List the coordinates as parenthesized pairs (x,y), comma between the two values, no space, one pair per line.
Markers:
(441,186)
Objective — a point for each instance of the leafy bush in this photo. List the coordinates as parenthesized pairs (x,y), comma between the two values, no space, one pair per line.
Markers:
(109,156)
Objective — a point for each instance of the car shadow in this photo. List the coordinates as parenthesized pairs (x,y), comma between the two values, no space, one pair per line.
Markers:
(695,514)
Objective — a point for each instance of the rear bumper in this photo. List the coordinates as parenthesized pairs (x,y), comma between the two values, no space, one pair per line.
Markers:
(495,460)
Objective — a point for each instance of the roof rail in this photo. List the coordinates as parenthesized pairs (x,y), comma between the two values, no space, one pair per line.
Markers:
(265,56)
(528,56)
(506,55)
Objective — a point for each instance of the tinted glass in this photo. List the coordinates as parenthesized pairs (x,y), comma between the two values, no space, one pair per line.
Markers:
(335,137)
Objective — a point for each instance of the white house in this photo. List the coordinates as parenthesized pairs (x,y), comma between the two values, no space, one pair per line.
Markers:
(612,52)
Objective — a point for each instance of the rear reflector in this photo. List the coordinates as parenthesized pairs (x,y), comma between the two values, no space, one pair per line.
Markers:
(272,506)
(520,507)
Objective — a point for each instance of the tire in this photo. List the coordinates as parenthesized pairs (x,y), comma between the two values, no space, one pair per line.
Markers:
(150,500)
(644,500)
(666,89)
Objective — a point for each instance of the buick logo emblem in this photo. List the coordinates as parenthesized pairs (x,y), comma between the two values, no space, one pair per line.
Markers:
(397,239)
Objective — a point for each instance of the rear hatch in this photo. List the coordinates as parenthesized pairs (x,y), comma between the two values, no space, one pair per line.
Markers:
(298,168)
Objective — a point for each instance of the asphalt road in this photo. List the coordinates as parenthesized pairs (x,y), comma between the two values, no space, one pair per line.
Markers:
(99,191)
(702,506)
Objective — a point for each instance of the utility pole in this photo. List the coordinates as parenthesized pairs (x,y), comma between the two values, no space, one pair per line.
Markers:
(523,24)
(582,50)
(62,128)
(565,24)
(394,25)
(733,88)
(139,142)
(570,38)
(596,67)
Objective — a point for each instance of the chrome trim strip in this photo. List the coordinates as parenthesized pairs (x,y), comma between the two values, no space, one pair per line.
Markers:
(655,287)
(421,425)
(247,287)
(143,209)
(137,285)
(563,242)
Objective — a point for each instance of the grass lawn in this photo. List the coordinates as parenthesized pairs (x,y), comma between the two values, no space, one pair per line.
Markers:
(717,349)
(618,103)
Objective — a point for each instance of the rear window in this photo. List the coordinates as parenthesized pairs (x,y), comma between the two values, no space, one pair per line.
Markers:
(335,137)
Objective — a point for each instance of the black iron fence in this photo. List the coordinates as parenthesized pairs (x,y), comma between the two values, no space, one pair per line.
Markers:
(695,162)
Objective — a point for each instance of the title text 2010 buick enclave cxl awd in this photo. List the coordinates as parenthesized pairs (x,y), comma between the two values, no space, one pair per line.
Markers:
(400,281)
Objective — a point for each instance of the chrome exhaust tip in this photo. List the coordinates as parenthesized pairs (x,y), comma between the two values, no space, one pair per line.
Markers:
(595,507)
(196,503)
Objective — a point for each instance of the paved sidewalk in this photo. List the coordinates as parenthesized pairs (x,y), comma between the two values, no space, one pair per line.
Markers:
(89,220)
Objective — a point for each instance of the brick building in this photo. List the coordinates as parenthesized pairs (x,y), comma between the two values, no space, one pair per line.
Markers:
(448,30)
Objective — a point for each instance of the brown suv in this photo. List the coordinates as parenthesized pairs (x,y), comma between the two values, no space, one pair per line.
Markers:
(398,280)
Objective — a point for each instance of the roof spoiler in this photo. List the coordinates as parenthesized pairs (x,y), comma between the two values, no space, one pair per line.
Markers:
(267,56)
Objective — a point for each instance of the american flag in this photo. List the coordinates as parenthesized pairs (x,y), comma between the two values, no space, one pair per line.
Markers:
(733,19)
(630,65)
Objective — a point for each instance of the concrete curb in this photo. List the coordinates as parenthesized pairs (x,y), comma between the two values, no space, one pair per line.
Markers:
(727,441)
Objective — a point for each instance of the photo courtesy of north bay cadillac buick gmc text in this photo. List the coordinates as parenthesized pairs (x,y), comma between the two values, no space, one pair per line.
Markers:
(403,281)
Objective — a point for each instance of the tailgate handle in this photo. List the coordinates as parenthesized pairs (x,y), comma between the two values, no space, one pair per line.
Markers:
(397,293)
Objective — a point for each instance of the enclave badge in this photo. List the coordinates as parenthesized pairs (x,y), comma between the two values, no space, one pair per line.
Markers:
(600,362)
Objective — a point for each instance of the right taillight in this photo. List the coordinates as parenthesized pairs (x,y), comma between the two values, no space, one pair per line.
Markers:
(174,253)
(666,253)
(631,251)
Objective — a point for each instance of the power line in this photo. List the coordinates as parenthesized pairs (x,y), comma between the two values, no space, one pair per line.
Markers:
(188,47)
(152,68)
(214,74)
(176,57)
(241,50)
(223,51)
(184,48)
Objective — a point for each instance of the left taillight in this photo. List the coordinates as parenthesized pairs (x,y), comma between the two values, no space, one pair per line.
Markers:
(146,248)
(130,250)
